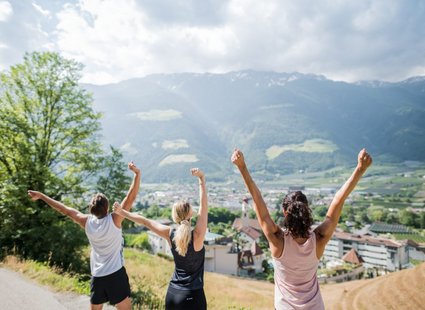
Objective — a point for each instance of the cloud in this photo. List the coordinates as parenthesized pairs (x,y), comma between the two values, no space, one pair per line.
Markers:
(6,11)
(344,40)
(26,30)
(185,12)
(42,11)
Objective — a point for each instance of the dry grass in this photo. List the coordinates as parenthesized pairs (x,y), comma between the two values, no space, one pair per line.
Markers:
(222,292)
(399,290)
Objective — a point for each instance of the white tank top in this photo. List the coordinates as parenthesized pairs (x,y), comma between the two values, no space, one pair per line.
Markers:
(106,245)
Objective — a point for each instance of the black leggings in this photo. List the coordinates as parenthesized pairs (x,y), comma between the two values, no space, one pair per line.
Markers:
(185,300)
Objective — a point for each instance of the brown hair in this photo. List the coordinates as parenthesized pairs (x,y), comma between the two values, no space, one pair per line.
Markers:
(98,205)
(182,236)
(298,218)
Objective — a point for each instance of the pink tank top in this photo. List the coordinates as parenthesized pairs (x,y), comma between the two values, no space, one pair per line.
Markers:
(295,276)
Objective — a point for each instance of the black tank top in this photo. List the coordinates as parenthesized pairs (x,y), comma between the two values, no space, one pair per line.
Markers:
(189,270)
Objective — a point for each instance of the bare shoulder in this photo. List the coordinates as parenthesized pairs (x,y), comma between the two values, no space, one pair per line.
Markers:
(80,219)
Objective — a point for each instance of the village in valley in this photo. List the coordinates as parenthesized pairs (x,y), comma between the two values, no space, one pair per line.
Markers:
(381,228)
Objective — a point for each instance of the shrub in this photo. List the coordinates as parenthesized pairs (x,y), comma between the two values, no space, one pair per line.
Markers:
(139,241)
(143,297)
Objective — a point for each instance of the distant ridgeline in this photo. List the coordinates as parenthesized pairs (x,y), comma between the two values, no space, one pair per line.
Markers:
(283,122)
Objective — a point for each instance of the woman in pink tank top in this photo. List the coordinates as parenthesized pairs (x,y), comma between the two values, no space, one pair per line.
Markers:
(296,249)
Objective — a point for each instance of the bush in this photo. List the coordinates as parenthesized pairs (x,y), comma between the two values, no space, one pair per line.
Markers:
(139,241)
(143,297)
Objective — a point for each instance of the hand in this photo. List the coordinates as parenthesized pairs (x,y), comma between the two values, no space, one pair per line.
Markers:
(117,208)
(238,158)
(364,160)
(34,195)
(196,172)
(133,168)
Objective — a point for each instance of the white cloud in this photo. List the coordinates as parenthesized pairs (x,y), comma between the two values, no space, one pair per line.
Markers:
(107,37)
(118,40)
(42,11)
(6,11)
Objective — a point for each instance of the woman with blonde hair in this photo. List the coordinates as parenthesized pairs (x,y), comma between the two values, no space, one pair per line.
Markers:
(186,289)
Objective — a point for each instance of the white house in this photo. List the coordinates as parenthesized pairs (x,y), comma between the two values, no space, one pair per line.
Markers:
(220,255)
(375,252)
(158,244)
(251,256)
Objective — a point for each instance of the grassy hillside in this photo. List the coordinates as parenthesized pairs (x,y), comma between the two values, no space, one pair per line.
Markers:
(399,290)
(154,273)
(222,292)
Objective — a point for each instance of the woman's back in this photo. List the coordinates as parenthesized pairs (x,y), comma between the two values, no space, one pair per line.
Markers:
(189,269)
(296,284)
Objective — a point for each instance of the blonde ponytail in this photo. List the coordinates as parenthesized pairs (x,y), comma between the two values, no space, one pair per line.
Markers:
(182,236)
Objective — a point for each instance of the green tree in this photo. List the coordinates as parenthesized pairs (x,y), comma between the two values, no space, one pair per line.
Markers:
(278,217)
(113,180)
(220,228)
(319,212)
(422,220)
(392,218)
(140,241)
(224,215)
(48,143)
(377,215)
(407,217)
(153,212)
(251,214)
(348,214)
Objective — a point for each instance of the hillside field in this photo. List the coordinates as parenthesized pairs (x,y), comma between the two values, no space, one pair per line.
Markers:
(400,290)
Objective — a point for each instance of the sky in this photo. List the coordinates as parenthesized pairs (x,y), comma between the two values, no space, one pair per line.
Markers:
(122,39)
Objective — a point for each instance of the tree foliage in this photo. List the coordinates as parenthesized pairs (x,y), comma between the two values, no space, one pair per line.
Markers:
(217,215)
(113,181)
(48,143)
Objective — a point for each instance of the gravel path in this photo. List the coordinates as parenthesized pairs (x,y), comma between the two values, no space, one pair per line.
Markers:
(18,292)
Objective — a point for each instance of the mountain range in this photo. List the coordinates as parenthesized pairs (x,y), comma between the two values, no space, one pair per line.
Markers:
(283,122)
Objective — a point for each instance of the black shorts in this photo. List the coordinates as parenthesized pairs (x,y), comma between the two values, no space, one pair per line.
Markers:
(113,288)
(185,299)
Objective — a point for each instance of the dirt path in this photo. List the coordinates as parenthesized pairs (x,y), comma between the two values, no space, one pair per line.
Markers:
(18,292)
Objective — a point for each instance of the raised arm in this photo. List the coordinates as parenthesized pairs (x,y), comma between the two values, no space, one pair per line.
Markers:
(325,230)
(158,228)
(131,194)
(202,222)
(269,227)
(77,216)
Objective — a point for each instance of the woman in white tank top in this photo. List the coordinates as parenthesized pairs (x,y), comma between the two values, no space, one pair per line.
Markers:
(109,279)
